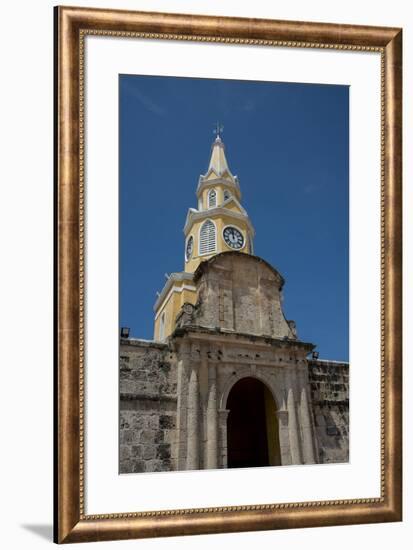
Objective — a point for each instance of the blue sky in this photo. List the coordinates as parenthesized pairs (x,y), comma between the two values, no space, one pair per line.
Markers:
(287,143)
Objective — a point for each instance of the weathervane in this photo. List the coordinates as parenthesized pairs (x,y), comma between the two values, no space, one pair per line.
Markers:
(219,128)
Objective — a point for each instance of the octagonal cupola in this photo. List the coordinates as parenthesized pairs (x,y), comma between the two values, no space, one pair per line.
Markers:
(220,223)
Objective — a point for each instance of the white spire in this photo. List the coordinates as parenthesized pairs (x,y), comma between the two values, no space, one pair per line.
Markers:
(218,162)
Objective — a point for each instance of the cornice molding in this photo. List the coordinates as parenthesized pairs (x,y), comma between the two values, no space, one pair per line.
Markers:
(180,277)
(198,332)
(235,201)
(219,175)
(233,184)
(193,216)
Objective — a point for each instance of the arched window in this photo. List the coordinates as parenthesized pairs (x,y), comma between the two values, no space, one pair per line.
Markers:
(207,238)
(227,194)
(162,327)
(212,198)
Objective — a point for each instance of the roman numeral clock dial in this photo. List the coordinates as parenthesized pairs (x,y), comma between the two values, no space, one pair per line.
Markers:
(233,238)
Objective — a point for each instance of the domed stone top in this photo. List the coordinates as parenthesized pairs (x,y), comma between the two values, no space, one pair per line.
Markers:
(241,293)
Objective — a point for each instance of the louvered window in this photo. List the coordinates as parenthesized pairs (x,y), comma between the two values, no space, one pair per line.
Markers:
(207,238)
(212,198)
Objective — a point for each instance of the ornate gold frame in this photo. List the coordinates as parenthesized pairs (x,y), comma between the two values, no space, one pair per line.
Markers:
(72,25)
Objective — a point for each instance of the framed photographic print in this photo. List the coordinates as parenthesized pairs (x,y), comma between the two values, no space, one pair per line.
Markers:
(228,274)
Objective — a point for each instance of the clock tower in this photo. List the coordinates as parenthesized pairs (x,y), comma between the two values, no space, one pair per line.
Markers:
(219,224)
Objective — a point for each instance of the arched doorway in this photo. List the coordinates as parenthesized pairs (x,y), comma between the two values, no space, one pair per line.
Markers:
(252,430)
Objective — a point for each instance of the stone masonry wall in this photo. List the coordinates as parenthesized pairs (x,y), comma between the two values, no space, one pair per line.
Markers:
(148,403)
(147,415)
(242,293)
(329,382)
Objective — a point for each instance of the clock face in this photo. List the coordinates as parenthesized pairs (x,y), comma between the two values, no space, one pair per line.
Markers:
(233,237)
(189,248)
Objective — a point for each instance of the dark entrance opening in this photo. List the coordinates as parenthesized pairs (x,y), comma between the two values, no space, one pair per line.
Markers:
(252,428)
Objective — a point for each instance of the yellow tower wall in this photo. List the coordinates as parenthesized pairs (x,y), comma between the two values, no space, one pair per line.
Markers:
(220,221)
(177,296)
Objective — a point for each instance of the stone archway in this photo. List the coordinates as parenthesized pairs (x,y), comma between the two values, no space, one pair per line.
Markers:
(252,425)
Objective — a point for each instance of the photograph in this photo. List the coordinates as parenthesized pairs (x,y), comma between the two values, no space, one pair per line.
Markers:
(233,274)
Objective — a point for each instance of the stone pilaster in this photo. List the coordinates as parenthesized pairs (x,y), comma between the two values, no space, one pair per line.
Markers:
(212,419)
(293,427)
(223,455)
(184,362)
(284,436)
(306,427)
(192,456)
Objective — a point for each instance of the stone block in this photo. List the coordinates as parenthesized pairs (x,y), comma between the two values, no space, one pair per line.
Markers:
(127,437)
(163,451)
(161,466)
(136,451)
(152,422)
(149,452)
(137,466)
(137,421)
(124,422)
(125,466)
(147,436)
(124,452)
(166,422)
(152,466)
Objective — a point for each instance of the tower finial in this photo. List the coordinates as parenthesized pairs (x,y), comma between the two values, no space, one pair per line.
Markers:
(219,128)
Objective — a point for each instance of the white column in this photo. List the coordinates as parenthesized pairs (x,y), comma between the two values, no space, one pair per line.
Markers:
(212,419)
(223,442)
(284,436)
(192,456)
(308,439)
(293,428)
